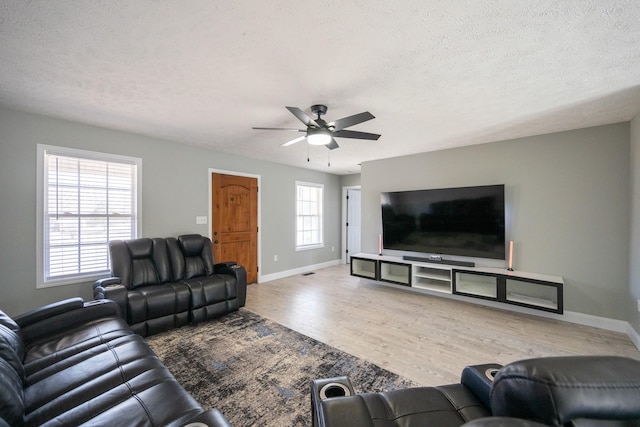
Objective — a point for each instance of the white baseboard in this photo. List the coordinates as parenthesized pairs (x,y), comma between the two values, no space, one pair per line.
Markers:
(596,321)
(293,272)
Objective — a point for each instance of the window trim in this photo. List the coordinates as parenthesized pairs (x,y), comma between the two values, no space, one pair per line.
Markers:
(295,222)
(42,149)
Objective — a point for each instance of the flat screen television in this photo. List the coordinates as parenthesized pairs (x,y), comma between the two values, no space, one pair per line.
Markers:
(466,221)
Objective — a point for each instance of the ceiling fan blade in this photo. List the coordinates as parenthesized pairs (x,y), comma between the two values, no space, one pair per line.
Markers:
(356,134)
(293,141)
(287,129)
(303,117)
(332,145)
(345,122)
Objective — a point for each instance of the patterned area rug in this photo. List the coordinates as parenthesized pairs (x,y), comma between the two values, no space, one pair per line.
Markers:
(258,372)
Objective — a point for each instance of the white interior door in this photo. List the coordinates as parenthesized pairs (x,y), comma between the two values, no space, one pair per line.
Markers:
(353,222)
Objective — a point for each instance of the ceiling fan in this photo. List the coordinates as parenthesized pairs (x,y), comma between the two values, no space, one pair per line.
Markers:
(320,132)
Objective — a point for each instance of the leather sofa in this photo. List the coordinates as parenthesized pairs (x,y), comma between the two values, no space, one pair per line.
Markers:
(165,283)
(555,391)
(72,363)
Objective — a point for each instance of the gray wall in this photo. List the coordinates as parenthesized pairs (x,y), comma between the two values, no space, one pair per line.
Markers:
(567,202)
(174,192)
(634,253)
(350,180)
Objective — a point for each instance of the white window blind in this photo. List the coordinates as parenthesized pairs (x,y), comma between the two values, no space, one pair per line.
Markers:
(89,199)
(308,215)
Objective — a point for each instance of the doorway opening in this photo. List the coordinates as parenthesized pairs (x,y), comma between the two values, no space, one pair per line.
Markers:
(351,220)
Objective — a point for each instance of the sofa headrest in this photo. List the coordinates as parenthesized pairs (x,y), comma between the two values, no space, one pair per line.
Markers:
(12,374)
(10,331)
(197,257)
(558,390)
(7,321)
(192,244)
(140,262)
(140,248)
(12,351)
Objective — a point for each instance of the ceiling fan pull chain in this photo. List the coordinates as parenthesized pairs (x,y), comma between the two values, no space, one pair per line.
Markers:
(307,153)
(329,161)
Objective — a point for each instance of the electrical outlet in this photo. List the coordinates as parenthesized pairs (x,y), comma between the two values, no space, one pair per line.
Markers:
(201,220)
(275,257)
(333,248)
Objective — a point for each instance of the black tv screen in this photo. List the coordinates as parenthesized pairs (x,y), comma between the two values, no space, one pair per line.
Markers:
(466,221)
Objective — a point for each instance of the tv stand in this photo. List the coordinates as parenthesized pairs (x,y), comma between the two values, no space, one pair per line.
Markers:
(444,277)
(439,260)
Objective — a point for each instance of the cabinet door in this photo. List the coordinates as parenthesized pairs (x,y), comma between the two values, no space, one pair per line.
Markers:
(363,267)
(475,284)
(535,294)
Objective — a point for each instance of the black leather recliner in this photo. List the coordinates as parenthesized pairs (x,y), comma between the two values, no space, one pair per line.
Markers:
(161,284)
(74,363)
(554,391)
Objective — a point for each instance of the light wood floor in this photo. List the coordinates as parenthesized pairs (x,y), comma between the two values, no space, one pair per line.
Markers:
(421,337)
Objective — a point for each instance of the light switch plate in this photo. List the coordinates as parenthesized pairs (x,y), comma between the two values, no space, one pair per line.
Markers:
(201,220)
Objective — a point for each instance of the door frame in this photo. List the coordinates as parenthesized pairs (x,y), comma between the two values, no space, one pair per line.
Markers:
(246,175)
(345,191)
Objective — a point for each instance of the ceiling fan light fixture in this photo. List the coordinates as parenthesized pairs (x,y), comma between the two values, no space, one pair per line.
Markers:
(319,132)
(319,137)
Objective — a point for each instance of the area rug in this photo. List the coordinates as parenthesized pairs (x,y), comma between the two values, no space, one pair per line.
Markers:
(257,372)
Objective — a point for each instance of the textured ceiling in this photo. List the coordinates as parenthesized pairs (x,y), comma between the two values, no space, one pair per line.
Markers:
(436,74)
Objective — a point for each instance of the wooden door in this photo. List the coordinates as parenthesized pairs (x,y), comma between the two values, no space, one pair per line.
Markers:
(234,221)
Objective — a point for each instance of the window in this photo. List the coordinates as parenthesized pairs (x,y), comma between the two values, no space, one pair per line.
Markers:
(85,199)
(308,215)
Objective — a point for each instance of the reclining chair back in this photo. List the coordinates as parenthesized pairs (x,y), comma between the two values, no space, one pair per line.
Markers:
(191,256)
(154,303)
(576,391)
(140,262)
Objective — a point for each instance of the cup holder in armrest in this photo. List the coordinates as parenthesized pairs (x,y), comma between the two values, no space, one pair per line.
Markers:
(490,373)
(330,390)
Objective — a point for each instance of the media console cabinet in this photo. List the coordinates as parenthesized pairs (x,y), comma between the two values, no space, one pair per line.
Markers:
(495,284)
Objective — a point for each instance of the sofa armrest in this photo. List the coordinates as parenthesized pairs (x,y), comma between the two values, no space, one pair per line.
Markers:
(107,281)
(62,316)
(224,264)
(42,313)
(111,288)
(239,273)
(479,379)
(343,411)
(325,413)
